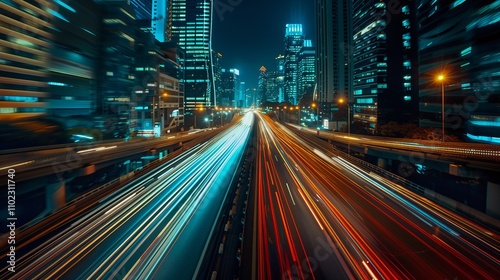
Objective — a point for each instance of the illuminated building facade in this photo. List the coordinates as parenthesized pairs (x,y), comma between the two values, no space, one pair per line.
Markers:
(280,78)
(25,44)
(459,39)
(306,69)
(190,24)
(294,40)
(385,71)
(230,83)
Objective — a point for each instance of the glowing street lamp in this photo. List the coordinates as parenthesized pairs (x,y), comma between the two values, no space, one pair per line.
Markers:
(314,105)
(341,101)
(441,78)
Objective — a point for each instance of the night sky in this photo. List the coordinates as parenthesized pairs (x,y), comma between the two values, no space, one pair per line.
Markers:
(250,33)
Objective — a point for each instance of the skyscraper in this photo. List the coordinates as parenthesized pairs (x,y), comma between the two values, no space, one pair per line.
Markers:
(306,68)
(190,24)
(333,53)
(230,86)
(384,63)
(294,40)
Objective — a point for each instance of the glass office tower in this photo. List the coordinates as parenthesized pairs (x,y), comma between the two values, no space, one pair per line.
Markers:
(294,40)
(190,24)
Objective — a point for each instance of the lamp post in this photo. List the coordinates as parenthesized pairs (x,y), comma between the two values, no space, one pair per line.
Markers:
(298,108)
(341,100)
(441,79)
(314,105)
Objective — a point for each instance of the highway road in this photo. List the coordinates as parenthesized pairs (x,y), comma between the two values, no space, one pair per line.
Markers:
(158,227)
(375,229)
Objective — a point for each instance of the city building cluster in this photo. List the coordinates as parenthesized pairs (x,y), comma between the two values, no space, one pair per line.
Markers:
(136,66)
(433,63)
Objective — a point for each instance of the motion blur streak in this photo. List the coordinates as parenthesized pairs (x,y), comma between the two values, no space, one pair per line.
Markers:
(143,232)
(375,229)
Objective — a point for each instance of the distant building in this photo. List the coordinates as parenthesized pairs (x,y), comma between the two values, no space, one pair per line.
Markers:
(294,40)
(190,24)
(230,87)
(460,40)
(262,86)
(272,86)
(306,69)
(280,78)
(217,66)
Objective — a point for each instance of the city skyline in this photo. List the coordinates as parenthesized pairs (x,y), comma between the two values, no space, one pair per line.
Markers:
(233,139)
(251,34)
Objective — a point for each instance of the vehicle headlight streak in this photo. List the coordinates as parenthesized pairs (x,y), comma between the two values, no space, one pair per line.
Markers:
(158,212)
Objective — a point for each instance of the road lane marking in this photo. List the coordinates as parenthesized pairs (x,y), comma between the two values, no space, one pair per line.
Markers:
(290,193)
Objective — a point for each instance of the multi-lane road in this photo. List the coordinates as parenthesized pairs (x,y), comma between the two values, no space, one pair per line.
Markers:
(314,215)
(321,217)
(157,227)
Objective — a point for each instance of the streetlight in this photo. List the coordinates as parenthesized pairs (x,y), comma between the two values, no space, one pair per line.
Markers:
(441,78)
(196,109)
(341,100)
(314,105)
(298,108)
